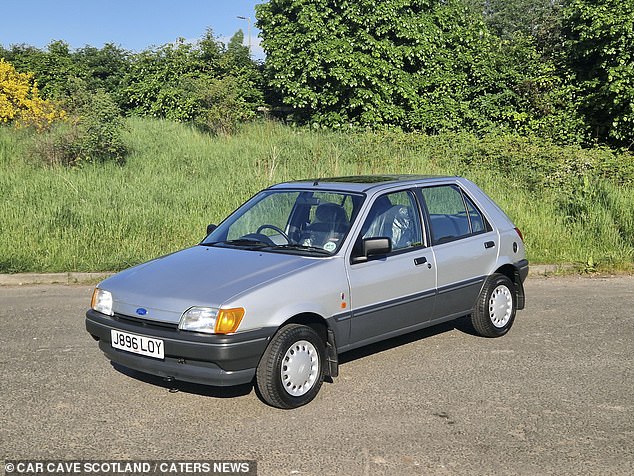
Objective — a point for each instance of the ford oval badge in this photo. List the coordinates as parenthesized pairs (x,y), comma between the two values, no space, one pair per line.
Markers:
(141,311)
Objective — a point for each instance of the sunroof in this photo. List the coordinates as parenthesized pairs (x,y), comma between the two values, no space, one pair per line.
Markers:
(369,179)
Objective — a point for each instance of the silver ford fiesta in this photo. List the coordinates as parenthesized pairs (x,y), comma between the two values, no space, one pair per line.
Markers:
(306,270)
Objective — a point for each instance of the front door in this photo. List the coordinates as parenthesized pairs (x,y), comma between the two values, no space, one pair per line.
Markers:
(392,294)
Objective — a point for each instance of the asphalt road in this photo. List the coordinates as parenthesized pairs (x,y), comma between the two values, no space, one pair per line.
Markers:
(554,396)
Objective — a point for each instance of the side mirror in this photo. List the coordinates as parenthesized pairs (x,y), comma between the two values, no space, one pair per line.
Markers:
(373,247)
(211,228)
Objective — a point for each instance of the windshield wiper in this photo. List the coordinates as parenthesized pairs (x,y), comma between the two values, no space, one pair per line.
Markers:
(297,246)
(250,242)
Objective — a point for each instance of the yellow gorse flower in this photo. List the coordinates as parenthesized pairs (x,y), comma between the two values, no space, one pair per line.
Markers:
(20,102)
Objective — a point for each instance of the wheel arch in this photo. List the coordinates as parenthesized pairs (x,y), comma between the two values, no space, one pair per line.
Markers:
(513,273)
(327,334)
(310,319)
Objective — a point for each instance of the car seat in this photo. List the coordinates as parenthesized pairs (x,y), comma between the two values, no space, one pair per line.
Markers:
(395,223)
(329,224)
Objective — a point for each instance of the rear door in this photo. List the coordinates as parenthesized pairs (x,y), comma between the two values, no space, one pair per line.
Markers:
(465,248)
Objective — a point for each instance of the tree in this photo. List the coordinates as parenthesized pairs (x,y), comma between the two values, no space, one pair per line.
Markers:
(344,62)
(427,65)
(237,54)
(244,77)
(600,47)
(539,19)
(104,68)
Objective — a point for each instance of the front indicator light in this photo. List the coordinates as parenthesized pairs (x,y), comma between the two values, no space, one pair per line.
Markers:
(229,320)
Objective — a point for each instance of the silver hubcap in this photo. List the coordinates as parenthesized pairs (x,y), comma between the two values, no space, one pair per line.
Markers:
(300,368)
(500,306)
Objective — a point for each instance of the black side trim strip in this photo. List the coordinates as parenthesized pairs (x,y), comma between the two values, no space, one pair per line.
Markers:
(460,285)
(411,298)
(394,302)
(342,316)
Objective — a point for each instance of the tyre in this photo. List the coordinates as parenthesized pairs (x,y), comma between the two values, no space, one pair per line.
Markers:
(291,370)
(495,308)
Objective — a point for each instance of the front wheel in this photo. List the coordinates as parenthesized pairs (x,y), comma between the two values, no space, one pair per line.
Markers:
(495,309)
(291,370)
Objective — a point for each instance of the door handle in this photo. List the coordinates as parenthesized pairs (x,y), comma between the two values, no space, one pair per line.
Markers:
(489,244)
(421,260)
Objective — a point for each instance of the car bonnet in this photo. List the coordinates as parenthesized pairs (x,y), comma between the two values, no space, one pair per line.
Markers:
(164,288)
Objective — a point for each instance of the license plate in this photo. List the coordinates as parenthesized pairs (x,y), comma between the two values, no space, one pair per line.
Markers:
(137,344)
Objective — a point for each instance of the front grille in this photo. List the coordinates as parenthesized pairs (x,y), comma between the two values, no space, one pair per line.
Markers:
(135,321)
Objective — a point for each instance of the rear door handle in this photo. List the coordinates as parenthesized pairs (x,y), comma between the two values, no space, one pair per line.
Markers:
(489,244)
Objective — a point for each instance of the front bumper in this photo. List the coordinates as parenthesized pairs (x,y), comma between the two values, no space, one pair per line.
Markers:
(221,360)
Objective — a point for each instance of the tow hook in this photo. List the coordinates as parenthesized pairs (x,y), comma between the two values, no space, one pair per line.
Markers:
(170,381)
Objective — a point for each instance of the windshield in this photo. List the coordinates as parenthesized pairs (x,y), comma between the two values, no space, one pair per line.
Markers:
(290,221)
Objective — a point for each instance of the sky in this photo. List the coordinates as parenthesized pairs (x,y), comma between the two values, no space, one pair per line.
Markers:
(131,24)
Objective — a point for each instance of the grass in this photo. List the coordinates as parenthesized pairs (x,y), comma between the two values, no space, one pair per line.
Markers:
(573,206)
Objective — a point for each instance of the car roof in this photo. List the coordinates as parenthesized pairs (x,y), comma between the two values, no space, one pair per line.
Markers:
(361,183)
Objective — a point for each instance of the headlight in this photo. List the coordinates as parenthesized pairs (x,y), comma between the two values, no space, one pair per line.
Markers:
(102,301)
(211,320)
(199,319)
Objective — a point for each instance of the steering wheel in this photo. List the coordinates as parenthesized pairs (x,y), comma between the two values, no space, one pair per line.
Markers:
(273,227)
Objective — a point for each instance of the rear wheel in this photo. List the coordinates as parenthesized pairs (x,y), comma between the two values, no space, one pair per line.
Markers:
(291,370)
(495,310)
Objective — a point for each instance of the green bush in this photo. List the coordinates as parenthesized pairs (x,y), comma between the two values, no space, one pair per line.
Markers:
(101,127)
(93,132)
(213,86)
(221,106)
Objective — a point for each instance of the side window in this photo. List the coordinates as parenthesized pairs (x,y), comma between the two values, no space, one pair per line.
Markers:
(394,216)
(452,214)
